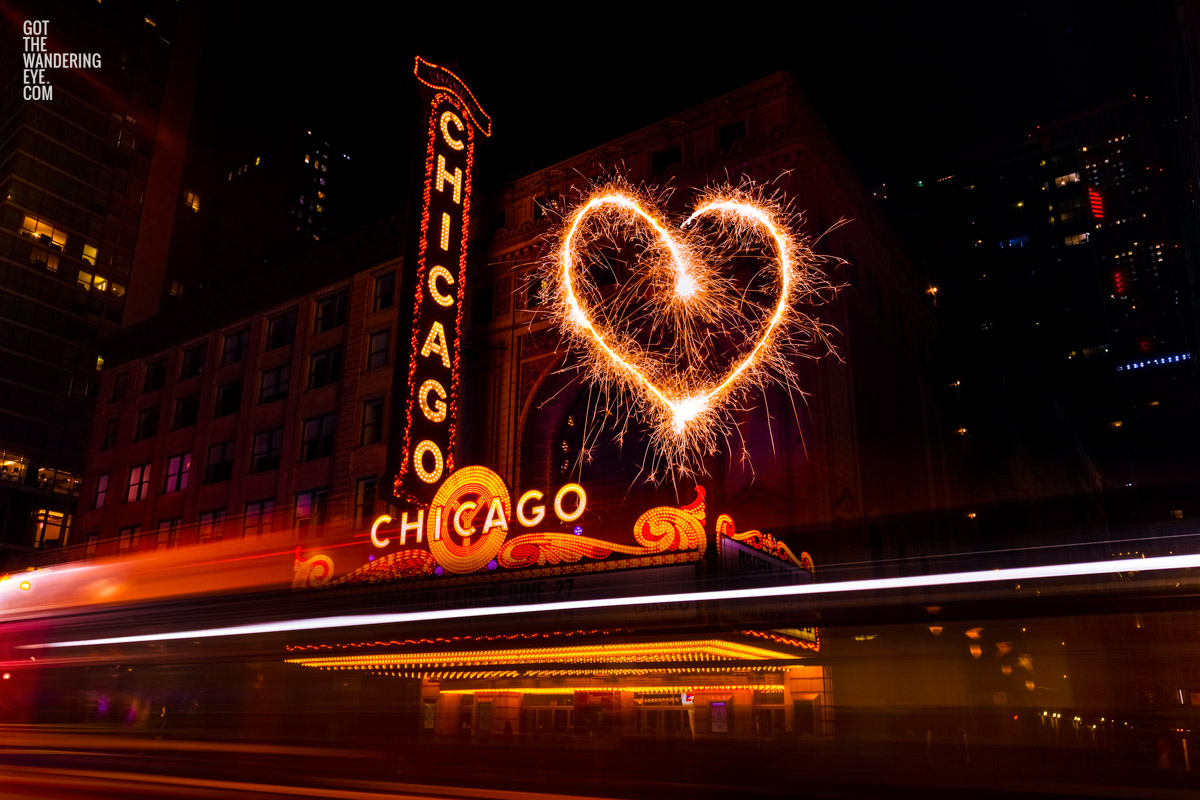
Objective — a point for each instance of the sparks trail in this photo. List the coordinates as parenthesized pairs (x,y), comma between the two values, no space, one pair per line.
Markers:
(677,323)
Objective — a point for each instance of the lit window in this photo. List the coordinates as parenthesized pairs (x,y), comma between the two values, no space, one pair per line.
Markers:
(51,527)
(1063,180)
(118,290)
(44,232)
(89,254)
(175,289)
(139,483)
(84,280)
(101,492)
(1077,239)
(191,200)
(178,468)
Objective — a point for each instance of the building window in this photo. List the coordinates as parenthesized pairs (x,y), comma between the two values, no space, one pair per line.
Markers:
(364,502)
(118,387)
(317,438)
(186,411)
(281,330)
(219,466)
(101,492)
(175,289)
(728,134)
(229,399)
(51,527)
(156,376)
(377,349)
(44,232)
(169,531)
(178,468)
(192,201)
(89,254)
(331,312)
(259,517)
(1079,239)
(267,447)
(210,528)
(372,422)
(193,362)
(147,424)
(45,258)
(110,433)
(1063,180)
(236,345)
(324,368)
(139,483)
(274,384)
(127,538)
(93,544)
(87,281)
(385,291)
(310,510)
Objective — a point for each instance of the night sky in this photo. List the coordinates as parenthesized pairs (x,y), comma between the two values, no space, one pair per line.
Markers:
(906,92)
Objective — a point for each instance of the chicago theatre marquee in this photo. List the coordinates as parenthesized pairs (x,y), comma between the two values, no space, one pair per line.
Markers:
(531,528)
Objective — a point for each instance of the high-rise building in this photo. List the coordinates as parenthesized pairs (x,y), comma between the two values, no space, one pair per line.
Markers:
(89,184)
(1062,271)
(271,201)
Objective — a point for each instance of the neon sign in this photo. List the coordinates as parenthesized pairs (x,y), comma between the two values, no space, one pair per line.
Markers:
(466,529)
(431,385)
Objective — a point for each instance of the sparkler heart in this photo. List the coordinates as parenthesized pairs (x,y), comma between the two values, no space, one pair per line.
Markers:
(680,406)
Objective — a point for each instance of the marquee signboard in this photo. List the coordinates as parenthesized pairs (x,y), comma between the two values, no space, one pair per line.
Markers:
(472,527)
(430,386)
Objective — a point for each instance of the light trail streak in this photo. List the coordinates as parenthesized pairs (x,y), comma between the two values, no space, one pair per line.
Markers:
(1156,564)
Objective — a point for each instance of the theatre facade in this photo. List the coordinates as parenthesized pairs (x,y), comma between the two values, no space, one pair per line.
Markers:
(410,426)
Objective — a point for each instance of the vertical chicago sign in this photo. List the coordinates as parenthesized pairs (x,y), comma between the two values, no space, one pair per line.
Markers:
(437,287)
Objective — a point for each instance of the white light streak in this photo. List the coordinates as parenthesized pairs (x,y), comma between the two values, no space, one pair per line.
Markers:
(909,582)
